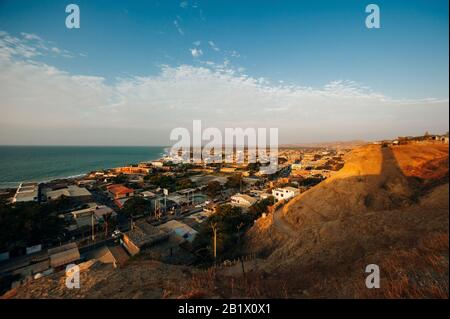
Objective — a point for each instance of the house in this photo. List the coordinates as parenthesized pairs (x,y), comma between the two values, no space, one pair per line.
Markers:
(200,217)
(95,213)
(285,193)
(101,211)
(242,200)
(118,191)
(33,269)
(26,192)
(157,163)
(87,183)
(72,191)
(180,230)
(142,235)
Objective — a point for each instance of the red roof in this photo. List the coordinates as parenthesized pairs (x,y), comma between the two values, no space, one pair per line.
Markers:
(118,189)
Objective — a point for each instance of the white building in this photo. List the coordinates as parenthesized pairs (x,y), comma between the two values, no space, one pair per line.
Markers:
(157,163)
(285,193)
(26,192)
(242,200)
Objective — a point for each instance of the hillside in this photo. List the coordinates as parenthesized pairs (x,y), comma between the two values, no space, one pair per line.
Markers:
(387,206)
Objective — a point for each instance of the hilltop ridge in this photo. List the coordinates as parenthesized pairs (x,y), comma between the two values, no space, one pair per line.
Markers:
(388,206)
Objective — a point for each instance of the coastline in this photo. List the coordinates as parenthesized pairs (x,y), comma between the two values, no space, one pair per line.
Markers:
(12,185)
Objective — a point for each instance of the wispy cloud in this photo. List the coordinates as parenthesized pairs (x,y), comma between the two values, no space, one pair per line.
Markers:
(235,54)
(79,109)
(196,52)
(30,36)
(178,27)
(29,45)
(213,46)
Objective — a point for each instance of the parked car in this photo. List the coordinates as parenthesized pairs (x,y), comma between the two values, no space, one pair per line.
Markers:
(116,234)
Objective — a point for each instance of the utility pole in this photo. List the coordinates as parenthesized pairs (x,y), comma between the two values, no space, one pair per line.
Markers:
(93,230)
(214,229)
(166,192)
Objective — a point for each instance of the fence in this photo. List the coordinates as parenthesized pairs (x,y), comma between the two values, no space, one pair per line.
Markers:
(230,263)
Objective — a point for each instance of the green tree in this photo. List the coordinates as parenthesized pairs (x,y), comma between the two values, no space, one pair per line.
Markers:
(120,179)
(230,222)
(163,181)
(260,207)
(213,188)
(184,183)
(27,224)
(136,206)
(234,181)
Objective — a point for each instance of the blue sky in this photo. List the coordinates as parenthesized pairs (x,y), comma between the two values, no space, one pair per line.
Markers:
(299,43)
(305,42)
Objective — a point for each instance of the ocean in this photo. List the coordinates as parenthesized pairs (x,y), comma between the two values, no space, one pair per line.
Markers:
(44,163)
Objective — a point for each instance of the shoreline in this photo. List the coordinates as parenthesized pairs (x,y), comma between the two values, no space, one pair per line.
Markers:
(15,185)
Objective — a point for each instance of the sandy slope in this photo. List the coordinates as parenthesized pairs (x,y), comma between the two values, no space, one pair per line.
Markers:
(387,206)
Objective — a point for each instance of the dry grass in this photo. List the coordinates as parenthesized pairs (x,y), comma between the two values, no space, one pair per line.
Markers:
(367,213)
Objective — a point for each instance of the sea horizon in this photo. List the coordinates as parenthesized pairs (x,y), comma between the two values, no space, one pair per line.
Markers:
(42,163)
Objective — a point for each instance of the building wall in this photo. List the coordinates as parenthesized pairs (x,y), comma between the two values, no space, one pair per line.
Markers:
(281,194)
(130,246)
(240,201)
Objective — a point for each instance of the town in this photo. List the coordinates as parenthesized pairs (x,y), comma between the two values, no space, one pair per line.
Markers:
(163,210)
(160,209)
